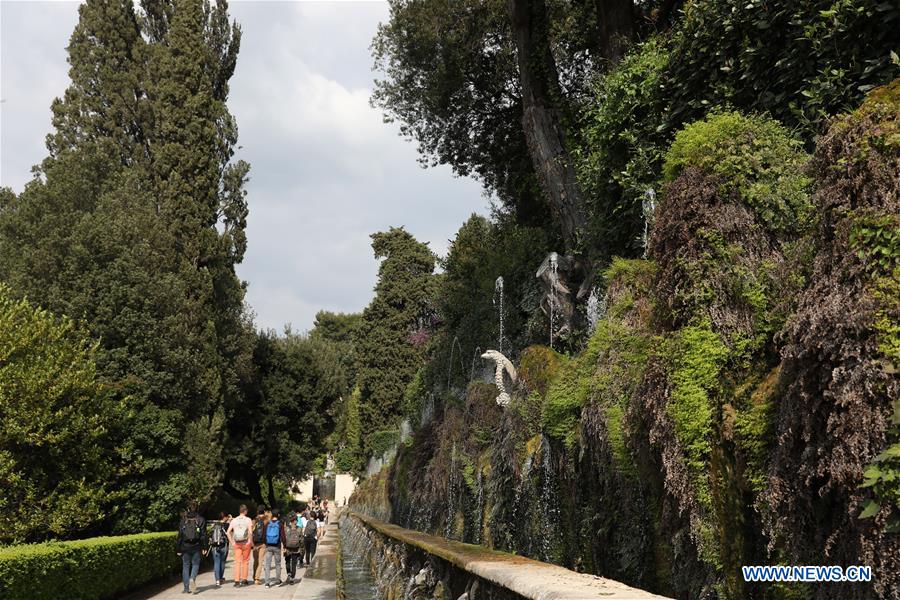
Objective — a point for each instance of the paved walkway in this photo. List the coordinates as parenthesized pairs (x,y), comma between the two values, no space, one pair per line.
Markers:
(318,582)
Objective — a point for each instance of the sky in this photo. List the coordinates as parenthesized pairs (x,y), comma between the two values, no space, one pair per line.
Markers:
(326,171)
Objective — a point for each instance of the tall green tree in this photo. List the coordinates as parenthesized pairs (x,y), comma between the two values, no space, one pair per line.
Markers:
(468,301)
(134,225)
(59,444)
(340,329)
(395,327)
(279,429)
(492,88)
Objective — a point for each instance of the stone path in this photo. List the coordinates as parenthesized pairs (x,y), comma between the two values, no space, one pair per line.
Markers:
(318,582)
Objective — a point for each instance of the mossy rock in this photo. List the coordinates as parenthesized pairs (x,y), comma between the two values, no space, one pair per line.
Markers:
(696,356)
(629,284)
(538,366)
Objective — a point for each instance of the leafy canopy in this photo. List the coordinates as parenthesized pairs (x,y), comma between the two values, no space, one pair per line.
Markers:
(59,445)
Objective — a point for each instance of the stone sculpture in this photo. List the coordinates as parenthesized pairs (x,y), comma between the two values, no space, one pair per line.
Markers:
(503,364)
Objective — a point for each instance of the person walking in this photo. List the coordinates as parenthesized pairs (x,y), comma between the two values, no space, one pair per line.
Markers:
(190,544)
(321,527)
(218,546)
(259,543)
(301,523)
(274,544)
(310,538)
(240,534)
(293,546)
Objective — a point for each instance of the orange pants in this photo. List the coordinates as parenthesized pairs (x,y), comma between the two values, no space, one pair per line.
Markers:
(242,561)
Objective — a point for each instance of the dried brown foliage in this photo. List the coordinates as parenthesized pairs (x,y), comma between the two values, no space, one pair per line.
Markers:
(710,251)
(836,407)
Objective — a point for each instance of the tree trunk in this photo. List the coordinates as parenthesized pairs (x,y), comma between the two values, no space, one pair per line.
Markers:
(250,478)
(235,493)
(616,28)
(541,119)
(272,499)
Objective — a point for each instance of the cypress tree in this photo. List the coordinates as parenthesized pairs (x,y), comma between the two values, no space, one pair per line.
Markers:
(390,340)
(134,224)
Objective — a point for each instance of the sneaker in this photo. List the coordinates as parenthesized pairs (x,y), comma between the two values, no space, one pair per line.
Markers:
(218,583)
(237,584)
(193,586)
(245,582)
(268,585)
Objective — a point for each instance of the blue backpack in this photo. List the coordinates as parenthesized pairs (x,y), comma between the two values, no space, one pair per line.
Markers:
(273,533)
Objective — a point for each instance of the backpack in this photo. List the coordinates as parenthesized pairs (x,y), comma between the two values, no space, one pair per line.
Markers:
(190,531)
(273,533)
(219,538)
(239,530)
(310,530)
(259,531)
(292,537)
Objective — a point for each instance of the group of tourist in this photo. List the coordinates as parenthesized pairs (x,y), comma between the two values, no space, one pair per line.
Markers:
(268,538)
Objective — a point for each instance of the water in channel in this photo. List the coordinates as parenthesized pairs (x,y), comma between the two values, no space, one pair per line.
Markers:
(358,581)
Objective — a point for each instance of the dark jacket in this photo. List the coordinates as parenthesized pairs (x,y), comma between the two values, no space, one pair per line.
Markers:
(280,543)
(195,521)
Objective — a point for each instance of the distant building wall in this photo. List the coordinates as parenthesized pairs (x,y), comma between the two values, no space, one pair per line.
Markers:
(305,492)
(344,484)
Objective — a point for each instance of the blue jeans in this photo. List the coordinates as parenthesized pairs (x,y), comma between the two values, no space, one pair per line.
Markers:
(190,566)
(220,555)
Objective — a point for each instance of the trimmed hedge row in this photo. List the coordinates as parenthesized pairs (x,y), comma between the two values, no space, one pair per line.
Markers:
(91,569)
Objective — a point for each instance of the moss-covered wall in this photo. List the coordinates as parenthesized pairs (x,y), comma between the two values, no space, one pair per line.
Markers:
(737,402)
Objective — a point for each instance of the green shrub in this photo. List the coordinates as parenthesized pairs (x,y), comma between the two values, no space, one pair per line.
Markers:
(615,414)
(886,293)
(754,157)
(414,396)
(625,139)
(754,426)
(799,61)
(60,430)
(882,475)
(90,569)
(379,442)
(876,240)
(567,394)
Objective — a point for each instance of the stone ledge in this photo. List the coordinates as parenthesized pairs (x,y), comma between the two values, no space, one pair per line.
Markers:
(529,578)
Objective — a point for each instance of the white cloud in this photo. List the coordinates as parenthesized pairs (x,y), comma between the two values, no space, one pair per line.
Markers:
(326,171)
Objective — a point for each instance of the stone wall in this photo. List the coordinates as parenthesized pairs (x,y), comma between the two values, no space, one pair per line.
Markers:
(411,565)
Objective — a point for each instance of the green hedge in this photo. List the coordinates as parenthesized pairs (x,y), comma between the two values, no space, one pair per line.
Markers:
(94,568)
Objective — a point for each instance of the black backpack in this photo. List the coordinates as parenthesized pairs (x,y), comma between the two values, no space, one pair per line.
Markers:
(259,531)
(190,531)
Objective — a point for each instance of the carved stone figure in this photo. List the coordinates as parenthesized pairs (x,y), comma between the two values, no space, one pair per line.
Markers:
(565,282)
(503,364)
